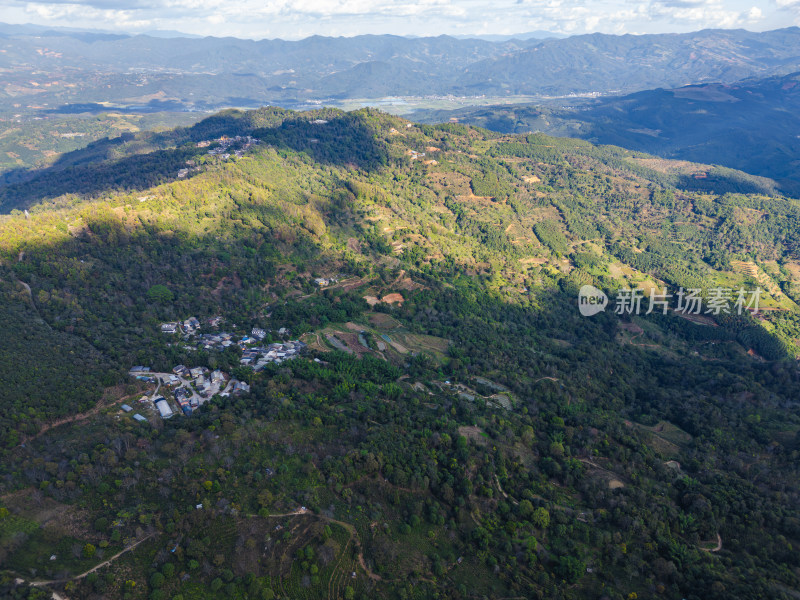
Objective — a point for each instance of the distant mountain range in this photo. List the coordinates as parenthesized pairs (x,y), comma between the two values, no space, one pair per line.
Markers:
(752,125)
(51,68)
(539,34)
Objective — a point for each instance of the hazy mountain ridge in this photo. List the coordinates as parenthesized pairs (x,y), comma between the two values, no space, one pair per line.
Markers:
(71,67)
(606,63)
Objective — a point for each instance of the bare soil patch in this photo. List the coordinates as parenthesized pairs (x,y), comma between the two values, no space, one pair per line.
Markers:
(794,270)
(383,321)
(632,327)
(313,342)
(392,298)
(351,341)
(533,260)
(697,319)
(473,433)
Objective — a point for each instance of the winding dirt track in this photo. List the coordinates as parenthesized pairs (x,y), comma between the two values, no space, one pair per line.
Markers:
(632,343)
(348,526)
(92,570)
(716,548)
(71,419)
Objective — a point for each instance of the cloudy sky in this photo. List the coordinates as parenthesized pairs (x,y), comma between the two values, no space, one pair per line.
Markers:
(292,19)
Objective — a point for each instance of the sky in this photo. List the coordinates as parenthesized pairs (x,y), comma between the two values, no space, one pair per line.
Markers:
(294,19)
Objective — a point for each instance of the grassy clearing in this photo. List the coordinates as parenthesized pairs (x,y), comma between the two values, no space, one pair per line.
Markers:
(383,322)
(666,438)
(384,336)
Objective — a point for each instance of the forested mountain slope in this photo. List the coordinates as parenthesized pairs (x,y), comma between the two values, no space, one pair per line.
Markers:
(750,125)
(483,440)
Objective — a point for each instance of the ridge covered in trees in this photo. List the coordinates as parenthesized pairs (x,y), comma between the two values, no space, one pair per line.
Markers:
(485,440)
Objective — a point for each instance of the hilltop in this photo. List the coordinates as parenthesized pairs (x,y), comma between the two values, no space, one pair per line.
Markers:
(749,125)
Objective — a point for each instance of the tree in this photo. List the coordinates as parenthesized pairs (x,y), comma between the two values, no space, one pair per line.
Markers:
(570,568)
(161,294)
(481,537)
(89,550)
(157,580)
(525,509)
(541,518)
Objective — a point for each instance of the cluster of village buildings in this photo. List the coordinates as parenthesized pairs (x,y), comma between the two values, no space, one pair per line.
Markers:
(245,142)
(255,355)
(252,354)
(189,387)
(223,150)
(190,329)
(259,357)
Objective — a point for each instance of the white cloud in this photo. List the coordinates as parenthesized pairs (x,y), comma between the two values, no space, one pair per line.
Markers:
(706,13)
(295,18)
(64,13)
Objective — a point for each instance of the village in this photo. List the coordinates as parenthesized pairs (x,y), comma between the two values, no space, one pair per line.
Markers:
(222,150)
(189,388)
(186,389)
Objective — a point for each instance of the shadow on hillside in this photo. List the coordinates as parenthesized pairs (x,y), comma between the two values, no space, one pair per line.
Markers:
(549,356)
(730,182)
(151,159)
(132,173)
(345,139)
